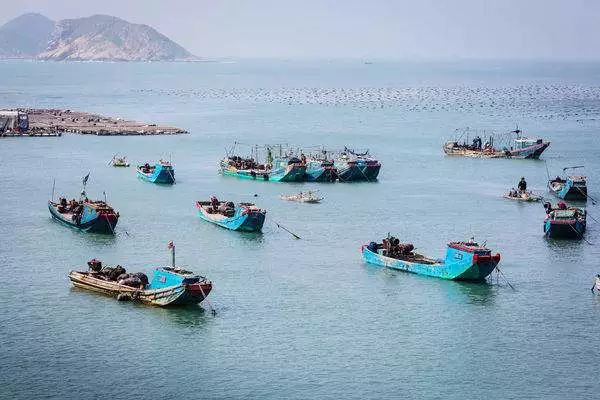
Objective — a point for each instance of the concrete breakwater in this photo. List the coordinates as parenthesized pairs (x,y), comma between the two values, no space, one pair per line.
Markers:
(54,122)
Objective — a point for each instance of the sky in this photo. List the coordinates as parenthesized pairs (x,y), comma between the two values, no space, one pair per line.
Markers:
(377,29)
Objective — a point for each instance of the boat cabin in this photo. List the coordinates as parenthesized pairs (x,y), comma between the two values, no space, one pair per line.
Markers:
(168,276)
(526,142)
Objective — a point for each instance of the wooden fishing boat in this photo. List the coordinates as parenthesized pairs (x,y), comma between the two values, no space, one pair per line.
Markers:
(170,286)
(523,196)
(570,188)
(517,147)
(318,170)
(85,215)
(303,197)
(564,222)
(244,217)
(355,167)
(467,261)
(119,162)
(161,172)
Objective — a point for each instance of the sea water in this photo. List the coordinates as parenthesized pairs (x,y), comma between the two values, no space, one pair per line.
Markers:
(302,318)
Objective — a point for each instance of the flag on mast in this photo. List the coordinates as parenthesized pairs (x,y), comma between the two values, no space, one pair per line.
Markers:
(170,245)
(85,179)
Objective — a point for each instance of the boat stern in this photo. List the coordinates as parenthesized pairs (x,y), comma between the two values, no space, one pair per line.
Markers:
(472,261)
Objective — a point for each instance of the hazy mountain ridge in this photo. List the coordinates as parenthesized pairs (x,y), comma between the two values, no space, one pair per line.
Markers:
(95,38)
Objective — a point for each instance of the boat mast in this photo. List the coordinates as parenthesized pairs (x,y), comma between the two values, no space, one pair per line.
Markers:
(171,246)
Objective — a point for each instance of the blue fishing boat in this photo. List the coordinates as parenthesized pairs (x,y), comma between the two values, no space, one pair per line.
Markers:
(85,215)
(464,260)
(319,170)
(564,222)
(572,187)
(244,217)
(353,167)
(170,286)
(282,169)
(161,172)
(287,169)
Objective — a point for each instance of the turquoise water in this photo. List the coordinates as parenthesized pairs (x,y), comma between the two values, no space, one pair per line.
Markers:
(302,318)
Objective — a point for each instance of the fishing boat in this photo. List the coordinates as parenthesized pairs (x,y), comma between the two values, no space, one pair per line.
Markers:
(303,197)
(564,222)
(282,169)
(94,216)
(245,168)
(119,161)
(467,261)
(573,187)
(287,169)
(517,146)
(161,172)
(320,170)
(244,217)
(524,196)
(170,286)
(353,167)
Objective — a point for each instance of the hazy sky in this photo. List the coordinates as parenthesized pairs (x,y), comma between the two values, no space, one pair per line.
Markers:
(442,29)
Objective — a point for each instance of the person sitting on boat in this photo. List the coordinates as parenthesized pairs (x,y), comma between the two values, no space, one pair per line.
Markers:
(146,168)
(562,205)
(522,185)
(513,193)
(558,179)
(214,202)
(303,158)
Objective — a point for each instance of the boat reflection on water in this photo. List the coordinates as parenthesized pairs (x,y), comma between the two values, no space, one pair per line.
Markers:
(192,316)
(478,293)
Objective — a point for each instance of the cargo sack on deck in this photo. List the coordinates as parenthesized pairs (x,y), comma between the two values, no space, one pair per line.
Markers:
(123,276)
(132,281)
(118,270)
(142,277)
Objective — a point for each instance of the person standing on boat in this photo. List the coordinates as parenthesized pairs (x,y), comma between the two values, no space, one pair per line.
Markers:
(522,185)
(596,284)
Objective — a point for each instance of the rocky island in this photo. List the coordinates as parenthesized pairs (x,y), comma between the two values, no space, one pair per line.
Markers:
(55,122)
(95,38)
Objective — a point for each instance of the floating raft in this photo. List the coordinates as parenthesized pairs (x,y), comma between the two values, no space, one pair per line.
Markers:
(54,122)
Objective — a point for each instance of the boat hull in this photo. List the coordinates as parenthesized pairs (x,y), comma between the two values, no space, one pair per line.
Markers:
(315,172)
(252,221)
(564,229)
(182,294)
(465,267)
(295,174)
(530,152)
(358,171)
(103,224)
(569,191)
(160,175)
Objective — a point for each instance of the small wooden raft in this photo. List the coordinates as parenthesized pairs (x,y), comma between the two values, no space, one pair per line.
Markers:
(50,122)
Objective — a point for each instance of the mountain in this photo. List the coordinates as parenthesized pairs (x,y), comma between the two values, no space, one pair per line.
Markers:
(25,36)
(95,38)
